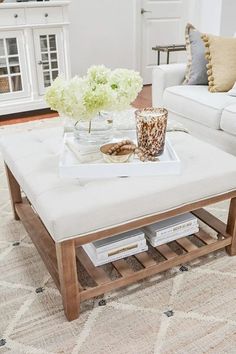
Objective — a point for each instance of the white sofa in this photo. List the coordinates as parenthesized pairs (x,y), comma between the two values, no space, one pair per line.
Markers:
(209,116)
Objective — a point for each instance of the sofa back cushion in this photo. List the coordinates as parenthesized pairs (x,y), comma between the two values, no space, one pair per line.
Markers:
(197,103)
(228,119)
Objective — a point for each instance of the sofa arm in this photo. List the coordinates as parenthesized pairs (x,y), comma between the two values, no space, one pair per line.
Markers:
(164,76)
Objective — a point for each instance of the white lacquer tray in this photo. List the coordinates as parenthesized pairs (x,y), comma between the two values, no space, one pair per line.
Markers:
(70,167)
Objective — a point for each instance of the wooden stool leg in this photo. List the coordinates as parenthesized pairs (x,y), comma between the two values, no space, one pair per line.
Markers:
(66,260)
(231,227)
(15,191)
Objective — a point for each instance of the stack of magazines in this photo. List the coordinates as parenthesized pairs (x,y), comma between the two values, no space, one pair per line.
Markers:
(116,247)
(171,229)
(84,153)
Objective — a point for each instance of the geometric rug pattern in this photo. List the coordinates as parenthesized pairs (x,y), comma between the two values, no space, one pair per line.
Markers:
(191,310)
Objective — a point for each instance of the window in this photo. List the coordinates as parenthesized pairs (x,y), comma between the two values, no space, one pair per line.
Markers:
(10,68)
(49,60)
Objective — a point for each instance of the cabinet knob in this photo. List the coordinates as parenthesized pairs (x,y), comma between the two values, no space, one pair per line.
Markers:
(16,15)
(46,15)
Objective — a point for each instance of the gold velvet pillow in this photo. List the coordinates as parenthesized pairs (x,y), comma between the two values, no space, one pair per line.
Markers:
(221,56)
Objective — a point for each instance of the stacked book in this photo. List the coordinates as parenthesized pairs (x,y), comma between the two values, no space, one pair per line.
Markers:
(83,152)
(116,247)
(171,229)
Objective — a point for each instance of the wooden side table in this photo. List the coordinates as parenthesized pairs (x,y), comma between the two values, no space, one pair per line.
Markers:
(168,49)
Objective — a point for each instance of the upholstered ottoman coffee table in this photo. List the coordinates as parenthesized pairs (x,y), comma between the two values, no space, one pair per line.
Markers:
(60,215)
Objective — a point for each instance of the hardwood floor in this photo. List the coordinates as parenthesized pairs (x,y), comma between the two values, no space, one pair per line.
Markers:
(26,117)
(144,100)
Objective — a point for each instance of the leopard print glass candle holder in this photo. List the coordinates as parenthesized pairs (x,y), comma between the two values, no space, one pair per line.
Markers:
(151,130)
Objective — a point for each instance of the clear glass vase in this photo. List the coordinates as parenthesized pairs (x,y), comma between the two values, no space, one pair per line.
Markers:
(67,123)
(97,131)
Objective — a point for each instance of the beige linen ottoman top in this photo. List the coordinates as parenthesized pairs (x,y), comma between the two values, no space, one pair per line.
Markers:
(72,207)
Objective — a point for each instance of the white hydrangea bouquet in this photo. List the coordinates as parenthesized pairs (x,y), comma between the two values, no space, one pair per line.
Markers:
(102,89)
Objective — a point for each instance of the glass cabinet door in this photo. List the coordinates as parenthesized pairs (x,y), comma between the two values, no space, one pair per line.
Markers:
(49,56)
(12,66)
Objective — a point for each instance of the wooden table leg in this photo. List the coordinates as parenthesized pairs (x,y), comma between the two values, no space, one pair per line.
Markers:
(15,192)
(67,268)
(231,227)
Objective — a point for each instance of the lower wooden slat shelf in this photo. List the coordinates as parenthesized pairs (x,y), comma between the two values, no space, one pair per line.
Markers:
(159,267)
(126,274)
(150,266)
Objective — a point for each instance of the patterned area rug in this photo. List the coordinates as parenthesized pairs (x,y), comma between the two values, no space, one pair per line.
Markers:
(192,310)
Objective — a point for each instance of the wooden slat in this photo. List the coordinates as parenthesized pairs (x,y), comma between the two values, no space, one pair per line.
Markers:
(123,268)
(204,237)
(40,237)
(166,251)
(141,222)
(159,267)
(145,259)
(96,273)
(211,221)
(186,244)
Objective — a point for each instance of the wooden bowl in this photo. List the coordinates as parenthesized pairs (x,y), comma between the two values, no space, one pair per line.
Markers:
(122,156)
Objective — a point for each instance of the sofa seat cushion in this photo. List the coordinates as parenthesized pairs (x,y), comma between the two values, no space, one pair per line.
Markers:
(73,207)
(197,103)
(228,119)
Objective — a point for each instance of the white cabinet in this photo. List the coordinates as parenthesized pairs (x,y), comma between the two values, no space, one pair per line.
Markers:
(33,52)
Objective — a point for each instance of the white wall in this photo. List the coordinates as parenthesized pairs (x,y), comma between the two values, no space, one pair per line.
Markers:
(192,15)
(102,32)
(210,16)
(216,16)
(228,21)
(106,31)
